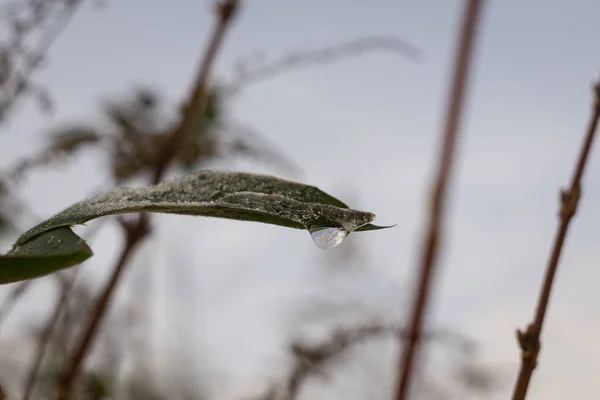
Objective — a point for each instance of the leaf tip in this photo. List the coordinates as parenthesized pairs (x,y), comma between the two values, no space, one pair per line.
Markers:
(372,227)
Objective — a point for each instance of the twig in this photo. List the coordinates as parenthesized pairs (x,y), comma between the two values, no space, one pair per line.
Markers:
(226,11)
(310,358)
(66,281)
(296,60)
(529,340)
(48,37)
(73,365)
(432,239)
(66,288)
(136,232)
(43,158)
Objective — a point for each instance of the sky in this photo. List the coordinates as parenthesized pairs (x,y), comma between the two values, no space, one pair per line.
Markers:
(364,129)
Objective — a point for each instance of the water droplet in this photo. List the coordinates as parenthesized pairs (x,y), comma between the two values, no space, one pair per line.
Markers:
(328,238)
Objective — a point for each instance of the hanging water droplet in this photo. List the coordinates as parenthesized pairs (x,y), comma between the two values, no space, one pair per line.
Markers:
(328,238)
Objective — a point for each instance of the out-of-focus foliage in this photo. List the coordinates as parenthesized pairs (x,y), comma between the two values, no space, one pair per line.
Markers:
(139,129)
(102,378)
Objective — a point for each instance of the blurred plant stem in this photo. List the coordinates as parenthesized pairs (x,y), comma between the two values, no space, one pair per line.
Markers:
(311,359)
(66,285)
(67,282)
(433,236)
(248,73)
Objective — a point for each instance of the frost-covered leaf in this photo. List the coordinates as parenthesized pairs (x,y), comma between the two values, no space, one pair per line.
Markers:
(221,194)
(46,253)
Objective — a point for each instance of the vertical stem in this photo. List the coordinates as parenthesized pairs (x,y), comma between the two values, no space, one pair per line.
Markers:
(529,340)
(67,284)
(74,364)
(431,241)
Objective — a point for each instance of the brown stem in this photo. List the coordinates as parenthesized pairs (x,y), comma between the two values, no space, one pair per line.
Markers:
(73,365)
(226,12)
(67,284)
(135,233)
(529,340)
(432,239)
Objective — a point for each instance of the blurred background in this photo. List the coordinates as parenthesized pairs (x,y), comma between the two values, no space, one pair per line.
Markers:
(346,96)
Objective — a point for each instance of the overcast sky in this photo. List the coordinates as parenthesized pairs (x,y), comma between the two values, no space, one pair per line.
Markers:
(364,129)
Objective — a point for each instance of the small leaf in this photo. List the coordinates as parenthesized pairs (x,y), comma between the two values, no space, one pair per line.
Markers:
(49,252)
(221,194)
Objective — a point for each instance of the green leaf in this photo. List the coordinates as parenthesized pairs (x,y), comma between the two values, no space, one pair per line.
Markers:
(221,194)
(46,253)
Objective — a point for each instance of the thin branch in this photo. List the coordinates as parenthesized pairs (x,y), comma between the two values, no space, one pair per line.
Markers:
(67,285)
(192,110)
(425,274)
(73,365)
(22,79)
(44,158)
(247,76)
(309,359)
(136,232)
(529,340)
